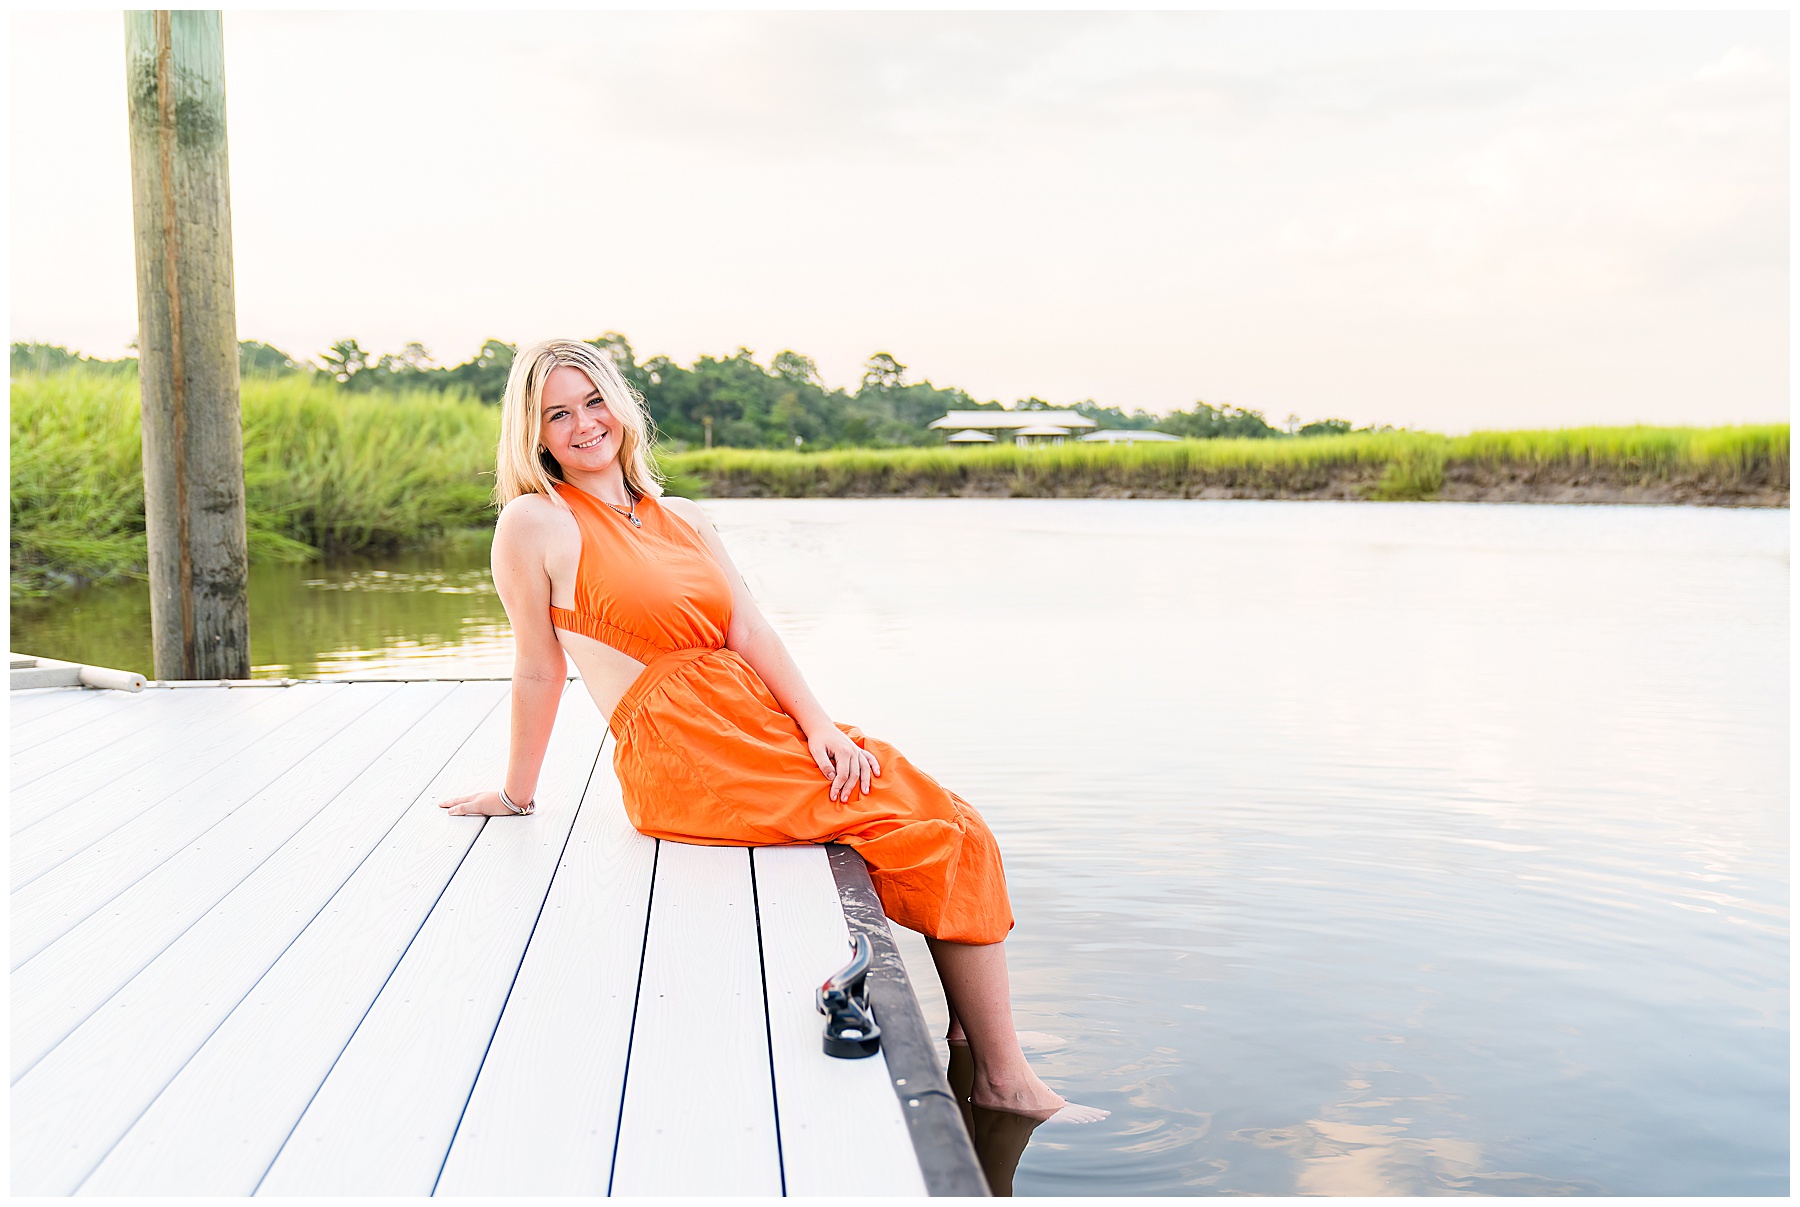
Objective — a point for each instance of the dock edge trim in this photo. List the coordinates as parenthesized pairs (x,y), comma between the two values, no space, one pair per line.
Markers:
(940,1140)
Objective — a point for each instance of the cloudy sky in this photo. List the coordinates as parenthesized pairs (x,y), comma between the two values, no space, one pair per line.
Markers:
(1450,220)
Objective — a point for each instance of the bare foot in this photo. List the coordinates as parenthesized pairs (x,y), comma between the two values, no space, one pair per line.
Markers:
(1033,1099)
(1068,1112)
(1074,1112)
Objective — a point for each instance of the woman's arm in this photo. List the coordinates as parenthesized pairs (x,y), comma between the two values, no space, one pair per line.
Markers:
(540,670)
(848,766)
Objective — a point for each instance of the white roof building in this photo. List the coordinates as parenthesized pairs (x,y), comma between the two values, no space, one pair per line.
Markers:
(968,436)
(995,421)
(1126,437)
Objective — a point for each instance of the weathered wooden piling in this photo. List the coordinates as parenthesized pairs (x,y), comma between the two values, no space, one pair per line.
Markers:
(187,345)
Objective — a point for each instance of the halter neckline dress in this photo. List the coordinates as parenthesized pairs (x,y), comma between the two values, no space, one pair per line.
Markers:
(704,754)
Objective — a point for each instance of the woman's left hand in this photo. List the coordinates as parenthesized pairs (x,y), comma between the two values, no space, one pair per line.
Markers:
(848,766)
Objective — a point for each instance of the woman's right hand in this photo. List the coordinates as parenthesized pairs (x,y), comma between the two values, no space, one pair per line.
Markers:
(848,766)
(477,804)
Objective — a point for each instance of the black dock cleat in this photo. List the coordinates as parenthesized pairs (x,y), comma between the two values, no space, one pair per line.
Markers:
(850,1028)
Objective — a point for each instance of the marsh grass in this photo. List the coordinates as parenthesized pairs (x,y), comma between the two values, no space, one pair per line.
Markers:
(324,472)
(1416,472)
(344,472)
(1380,465)
(328,471)
(1736,453)
(1073,469)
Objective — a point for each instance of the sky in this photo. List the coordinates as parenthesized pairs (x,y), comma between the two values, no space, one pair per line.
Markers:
(1441,220)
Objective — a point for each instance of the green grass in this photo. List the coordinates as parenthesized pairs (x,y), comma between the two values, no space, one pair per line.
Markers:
(324,471)
(1382,465)
(1742,451)
(1073,468)
(330,471)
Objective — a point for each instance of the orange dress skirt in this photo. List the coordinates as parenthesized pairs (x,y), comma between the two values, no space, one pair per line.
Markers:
(704,753)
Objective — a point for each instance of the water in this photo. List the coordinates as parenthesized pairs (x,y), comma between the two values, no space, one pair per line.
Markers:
(1356,848)
(421,614)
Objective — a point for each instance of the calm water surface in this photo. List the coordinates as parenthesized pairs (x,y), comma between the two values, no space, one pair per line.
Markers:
(1356,848)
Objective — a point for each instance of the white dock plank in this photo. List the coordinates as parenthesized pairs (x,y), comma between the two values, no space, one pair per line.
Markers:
(215,1129)
(699,1113)
(74,706)
(83,757)
(81,822)
(50,906)
(38,697)
(39,701)
(382,1122)
(54,991)
(75,1104)
(842,1129)
(191,718)
(35,745)
(557,1061)
(115,742)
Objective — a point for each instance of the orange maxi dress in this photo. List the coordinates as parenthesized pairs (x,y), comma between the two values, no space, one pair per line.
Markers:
(704,753)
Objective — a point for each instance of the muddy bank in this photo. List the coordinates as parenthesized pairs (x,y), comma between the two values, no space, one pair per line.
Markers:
(1482,482)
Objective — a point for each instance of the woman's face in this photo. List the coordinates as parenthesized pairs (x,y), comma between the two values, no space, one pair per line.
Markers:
(577,428)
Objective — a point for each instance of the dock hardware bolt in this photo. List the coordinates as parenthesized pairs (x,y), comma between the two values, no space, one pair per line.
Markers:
(850,1028)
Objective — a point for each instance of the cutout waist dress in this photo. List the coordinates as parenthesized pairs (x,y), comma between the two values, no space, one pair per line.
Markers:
(705,754)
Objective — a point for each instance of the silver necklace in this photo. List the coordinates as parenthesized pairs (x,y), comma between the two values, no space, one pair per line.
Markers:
(632,513)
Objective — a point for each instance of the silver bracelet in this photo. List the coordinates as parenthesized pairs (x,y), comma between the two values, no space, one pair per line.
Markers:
(521,810)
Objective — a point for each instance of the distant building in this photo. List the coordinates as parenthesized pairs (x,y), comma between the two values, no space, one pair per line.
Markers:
(1008,421)
(1126,437)
(1026,427)
(1040,433)
(970,436)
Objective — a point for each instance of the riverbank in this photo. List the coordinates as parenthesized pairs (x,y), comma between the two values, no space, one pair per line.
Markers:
(328,471)
(1745,466)
(325,472)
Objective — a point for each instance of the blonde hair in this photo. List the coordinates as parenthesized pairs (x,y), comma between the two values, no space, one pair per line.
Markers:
(523,466)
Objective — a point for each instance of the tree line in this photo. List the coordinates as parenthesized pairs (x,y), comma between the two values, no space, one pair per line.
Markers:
(729,401)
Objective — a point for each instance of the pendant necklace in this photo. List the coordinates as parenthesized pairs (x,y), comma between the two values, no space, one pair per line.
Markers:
(632,513)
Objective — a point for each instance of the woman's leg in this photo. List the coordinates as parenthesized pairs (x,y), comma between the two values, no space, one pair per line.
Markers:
(975,984)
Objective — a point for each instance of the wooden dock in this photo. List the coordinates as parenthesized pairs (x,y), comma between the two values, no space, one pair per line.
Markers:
(251,956)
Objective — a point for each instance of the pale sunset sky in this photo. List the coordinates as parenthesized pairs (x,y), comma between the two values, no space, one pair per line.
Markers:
(1443,220)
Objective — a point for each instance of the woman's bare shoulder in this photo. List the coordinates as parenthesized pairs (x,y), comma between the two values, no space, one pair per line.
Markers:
(688,510)
(533,519)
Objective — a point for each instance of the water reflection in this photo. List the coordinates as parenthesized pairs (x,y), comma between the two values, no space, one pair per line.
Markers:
(1342,1157)
(419,614)
(1000,1137)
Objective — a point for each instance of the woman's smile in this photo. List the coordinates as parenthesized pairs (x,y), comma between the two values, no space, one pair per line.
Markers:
(577,427)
